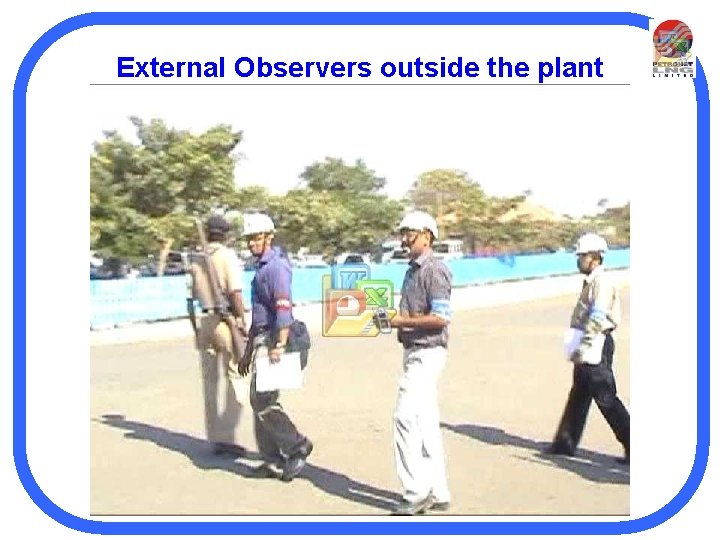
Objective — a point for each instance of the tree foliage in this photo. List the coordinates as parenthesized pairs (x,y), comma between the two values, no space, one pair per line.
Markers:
(334,175)
(337,209)
(145,194)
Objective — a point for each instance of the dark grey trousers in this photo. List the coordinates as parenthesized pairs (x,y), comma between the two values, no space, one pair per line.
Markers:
(276,436)
(593,383)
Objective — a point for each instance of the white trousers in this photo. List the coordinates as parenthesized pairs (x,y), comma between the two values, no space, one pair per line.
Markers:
(419,455)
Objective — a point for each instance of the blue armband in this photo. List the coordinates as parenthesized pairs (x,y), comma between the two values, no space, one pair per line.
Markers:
(599,317)
(441,308)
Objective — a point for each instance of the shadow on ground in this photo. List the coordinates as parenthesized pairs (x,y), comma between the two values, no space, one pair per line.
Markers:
(198,452)
(593,466)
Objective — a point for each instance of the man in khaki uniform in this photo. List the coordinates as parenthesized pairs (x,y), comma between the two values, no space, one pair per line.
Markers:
(221,380)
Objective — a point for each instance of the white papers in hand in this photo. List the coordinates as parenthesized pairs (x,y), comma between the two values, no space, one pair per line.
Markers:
(572,339)
(594,354)
(284,375)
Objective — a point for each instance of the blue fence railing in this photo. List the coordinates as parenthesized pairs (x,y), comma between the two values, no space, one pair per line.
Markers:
(123,301)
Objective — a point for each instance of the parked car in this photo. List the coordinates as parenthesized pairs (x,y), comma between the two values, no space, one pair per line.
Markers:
(449,249)
(387,250)
(310,261)
(176,264)
(112,268)
(352,258)
(399,256)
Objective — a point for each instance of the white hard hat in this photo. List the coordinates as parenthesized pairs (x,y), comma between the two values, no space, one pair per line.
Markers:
(418,221)
(256,224)
(591,242)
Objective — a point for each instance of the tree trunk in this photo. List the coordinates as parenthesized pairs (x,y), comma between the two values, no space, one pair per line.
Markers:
(162,258)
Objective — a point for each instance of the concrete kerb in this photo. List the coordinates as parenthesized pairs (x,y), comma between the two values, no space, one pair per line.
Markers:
(472,297)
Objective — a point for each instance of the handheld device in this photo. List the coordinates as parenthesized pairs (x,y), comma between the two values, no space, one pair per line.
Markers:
(382,319)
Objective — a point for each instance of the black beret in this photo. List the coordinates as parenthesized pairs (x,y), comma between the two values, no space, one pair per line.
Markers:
(217,224)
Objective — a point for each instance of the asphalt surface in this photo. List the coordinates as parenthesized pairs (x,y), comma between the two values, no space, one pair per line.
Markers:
(501,396)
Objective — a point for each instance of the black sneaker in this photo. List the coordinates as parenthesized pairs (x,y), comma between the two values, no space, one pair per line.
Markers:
(228,449)
(558,450)
(296,462)
(440,506)
(408,508)
(268,470)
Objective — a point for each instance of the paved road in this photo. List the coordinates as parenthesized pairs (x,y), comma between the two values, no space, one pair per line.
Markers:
(501,396)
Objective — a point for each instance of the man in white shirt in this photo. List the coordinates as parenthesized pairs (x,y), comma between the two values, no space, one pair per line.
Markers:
(596,315)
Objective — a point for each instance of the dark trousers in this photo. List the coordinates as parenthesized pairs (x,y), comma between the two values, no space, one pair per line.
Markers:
(593,382)
(276,436)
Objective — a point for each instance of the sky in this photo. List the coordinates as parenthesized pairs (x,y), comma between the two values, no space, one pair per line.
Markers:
(418,138)
(570,145)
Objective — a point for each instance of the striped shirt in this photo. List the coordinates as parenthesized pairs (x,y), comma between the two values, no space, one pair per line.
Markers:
(426,290)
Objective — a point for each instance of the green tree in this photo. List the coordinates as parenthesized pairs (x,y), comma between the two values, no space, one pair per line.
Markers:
(330,223)
(461,206)
(250,198)
(143,196)
(334,175)
(337,209)
(614,224)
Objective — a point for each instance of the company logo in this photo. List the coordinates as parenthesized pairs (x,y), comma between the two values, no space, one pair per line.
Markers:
(672,41)
(351,299)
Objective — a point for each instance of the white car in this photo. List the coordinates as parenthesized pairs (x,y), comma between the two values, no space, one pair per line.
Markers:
(310,261)
(449,249)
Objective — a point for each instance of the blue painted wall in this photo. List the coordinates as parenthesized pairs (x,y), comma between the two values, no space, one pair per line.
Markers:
(116,302)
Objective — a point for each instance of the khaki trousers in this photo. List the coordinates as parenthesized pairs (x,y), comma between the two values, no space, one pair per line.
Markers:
(223,388)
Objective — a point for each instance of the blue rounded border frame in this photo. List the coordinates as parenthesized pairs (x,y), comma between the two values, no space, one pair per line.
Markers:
(318,527)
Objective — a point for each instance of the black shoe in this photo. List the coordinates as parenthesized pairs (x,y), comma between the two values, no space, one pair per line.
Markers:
(439,506)
(625,460)
(268,470)
(407,508)
(296,462)
(228,449)
(558,450)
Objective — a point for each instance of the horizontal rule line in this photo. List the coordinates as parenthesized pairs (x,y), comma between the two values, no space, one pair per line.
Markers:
(359,84)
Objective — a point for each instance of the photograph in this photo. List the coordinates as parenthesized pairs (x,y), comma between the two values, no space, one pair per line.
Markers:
(377,296)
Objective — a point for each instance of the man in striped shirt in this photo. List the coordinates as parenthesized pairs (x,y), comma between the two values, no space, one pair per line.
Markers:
(422,326)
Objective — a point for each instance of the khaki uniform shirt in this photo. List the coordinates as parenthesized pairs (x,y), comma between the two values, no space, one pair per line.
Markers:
(598,308)
(230,274)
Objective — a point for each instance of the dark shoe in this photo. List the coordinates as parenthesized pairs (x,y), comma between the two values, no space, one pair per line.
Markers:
(625,460)
(558,450)
(407,508)
(296,462)
(439,506)
(268,470)
(229,449)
